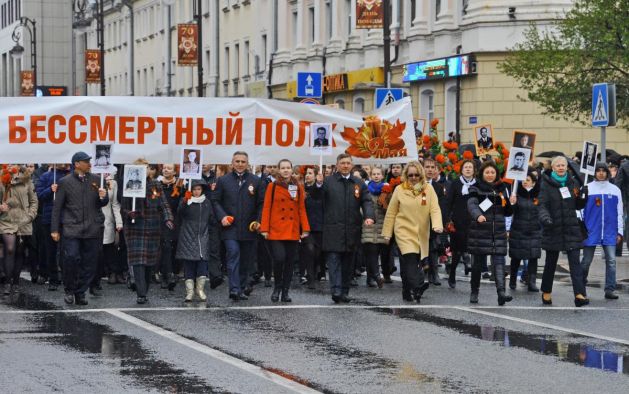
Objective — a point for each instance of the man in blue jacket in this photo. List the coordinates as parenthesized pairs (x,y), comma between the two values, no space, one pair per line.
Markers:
(603,216)
(238,199)
(46,188)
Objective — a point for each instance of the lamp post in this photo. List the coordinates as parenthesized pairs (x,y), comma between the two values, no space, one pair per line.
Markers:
(18,50)
(199,17)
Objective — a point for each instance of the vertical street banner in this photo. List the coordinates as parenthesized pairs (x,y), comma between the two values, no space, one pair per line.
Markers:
(27,83)
(369,14)
(92,65)
(187,48)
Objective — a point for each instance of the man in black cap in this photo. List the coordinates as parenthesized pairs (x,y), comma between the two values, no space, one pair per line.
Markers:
(77,207)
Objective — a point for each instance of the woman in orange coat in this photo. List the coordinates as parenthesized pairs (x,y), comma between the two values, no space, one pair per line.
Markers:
(284,223)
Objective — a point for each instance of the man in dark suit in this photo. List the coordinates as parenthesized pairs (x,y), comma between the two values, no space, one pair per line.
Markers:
(485,141)
(321,141)
(238,200)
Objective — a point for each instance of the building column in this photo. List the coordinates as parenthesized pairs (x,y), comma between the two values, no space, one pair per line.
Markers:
(336,41)
(353,41)
(445,19)
(283,37)
(420,25)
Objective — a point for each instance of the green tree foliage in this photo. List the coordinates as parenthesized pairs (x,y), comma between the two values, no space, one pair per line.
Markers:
(558,66)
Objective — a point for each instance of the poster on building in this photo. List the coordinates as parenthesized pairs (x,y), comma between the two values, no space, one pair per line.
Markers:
(187,48)
(27,83)
(92,65)
(369,14)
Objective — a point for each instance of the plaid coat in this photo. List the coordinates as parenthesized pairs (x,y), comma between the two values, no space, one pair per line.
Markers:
(143,246)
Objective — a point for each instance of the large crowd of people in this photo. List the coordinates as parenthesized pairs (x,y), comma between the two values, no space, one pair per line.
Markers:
(279,225)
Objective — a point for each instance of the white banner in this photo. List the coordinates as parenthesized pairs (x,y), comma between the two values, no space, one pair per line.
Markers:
(51,130)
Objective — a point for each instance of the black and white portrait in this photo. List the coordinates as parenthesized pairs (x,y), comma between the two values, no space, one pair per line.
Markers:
(524,139)
(518,163)
(420,127)
(588,157)
(134,181)
(102,158)
(484,138)
(321,139)
(191,163)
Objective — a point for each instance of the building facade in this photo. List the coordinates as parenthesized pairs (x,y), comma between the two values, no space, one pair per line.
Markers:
(255,48)
(53,39)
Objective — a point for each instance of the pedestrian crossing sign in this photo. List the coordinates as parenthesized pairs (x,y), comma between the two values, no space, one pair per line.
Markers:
(388,96)
(603,105)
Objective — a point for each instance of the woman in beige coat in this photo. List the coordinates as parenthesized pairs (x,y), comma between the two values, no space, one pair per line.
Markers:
(18,209)
(414,205)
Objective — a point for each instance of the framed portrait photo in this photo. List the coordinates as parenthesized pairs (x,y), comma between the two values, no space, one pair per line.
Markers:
(588,157)
(134,181)
(484,139)
(102,162)
(524,139)
(518,163)
(191,163)
(321,139)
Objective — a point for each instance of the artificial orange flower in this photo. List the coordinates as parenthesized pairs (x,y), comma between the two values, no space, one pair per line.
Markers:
(440,158)
(468,155)
(451,145)
(374,136)
(453,157)
(434,123)
(457,168)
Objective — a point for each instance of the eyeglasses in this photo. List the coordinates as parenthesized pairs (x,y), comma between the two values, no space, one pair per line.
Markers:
(412,175)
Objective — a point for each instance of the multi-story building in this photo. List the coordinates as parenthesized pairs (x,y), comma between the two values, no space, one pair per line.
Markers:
(53,41)
(255,48)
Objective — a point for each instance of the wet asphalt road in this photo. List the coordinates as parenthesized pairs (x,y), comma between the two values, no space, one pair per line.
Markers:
(376,344)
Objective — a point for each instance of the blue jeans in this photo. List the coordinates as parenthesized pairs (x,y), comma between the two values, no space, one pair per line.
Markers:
(610,264)
(240,263)
(340,268)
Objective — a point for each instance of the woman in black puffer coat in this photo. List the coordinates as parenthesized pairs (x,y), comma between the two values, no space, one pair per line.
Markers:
(559,200)
(488,205)
(198,228)
(525,238)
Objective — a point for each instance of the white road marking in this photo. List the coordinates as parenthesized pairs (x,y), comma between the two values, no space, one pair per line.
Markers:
(314,306)
(215,354)
(545,325)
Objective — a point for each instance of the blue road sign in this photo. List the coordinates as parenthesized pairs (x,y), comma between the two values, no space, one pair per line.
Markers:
(386,96)
(309,85)
(473,120)
(600,105)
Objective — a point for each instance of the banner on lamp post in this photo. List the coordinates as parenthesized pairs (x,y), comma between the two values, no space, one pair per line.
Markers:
(369,14)
(27,83)
(93,60)
(187,44)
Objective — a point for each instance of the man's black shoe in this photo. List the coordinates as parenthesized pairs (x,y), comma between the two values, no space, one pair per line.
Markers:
(79,299)
(141,300)
(94,292)
(243,297)
(345,299)
(336,298)
(234,297)
(248,291)
(69,298)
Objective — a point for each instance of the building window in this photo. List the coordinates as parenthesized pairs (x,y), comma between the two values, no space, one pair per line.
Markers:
(328,20)
(437,9)
(427,105)
(311,17)
(264,52)
(450,112)
(413,10)
(464,6)
(348,11)
(227,63)
(359,105)
(340,103)
(237,59)
(295,29)
(246,58)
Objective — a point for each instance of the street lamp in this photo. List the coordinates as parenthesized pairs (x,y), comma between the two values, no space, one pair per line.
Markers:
(18,50)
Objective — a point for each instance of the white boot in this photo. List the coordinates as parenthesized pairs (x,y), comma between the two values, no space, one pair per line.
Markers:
(189,290)
(201,288)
